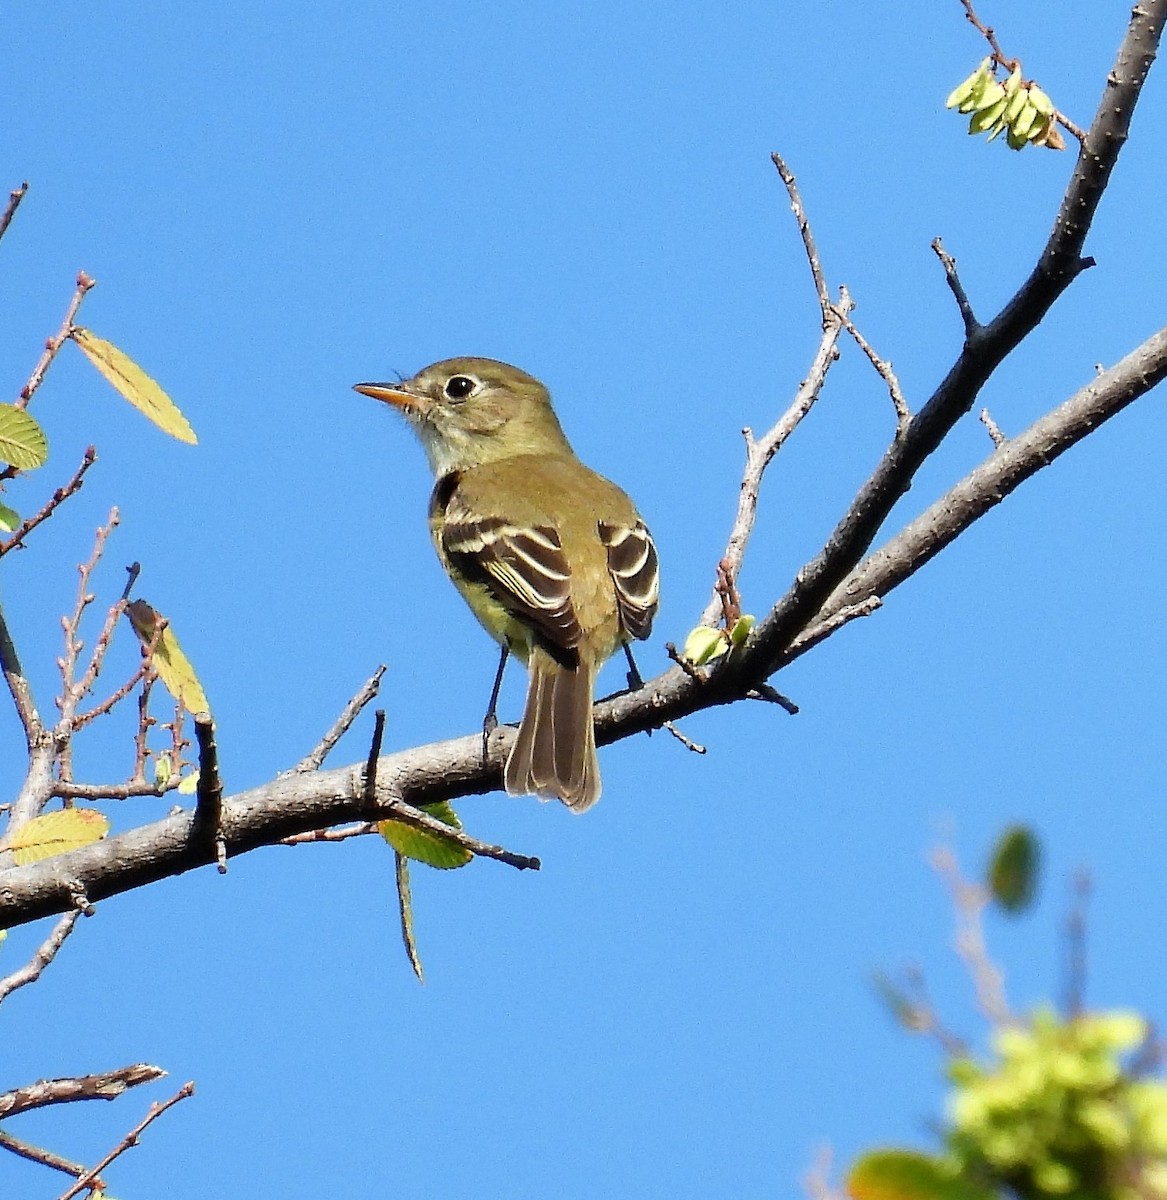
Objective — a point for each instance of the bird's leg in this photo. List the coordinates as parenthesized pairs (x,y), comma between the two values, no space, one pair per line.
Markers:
(490,721)
(635,682)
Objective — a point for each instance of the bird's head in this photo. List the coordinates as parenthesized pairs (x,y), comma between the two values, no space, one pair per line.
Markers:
(468,411)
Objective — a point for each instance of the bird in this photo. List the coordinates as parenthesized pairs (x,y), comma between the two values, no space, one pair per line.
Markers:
(553,559)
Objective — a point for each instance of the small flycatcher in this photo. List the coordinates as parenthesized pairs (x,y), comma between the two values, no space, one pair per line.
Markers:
(553,559)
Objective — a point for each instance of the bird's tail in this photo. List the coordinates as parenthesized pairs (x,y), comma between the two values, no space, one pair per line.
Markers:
(555,751)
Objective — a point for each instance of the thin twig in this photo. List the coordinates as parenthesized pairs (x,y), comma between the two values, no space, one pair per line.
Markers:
(808,242)
(54,344)
(760,451)
(315,760)
(987,33)
(676,656)
(400,811)
(14,198)
(883,368)
(51,505)
(999,439)
(1076,959)
(44,955)
(363,829)
(113,791)
(824,629)
(46,1158)
(685,741)
(971,325)
(817,1179)
(130,1140)
(73,689)
(970,901)
(771,695)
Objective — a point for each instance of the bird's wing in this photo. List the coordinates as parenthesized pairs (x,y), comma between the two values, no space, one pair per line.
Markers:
(524,567)
(632,563)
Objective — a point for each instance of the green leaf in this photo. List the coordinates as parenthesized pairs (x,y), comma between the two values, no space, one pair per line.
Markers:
(1013,867)
(9,519)
(22,441)
(908,1175)
(704,644)
(405,908)
(135,385)
(429,848)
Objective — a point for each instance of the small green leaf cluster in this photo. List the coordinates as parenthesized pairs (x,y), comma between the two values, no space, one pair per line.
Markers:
(1020,110)
(1057,1114)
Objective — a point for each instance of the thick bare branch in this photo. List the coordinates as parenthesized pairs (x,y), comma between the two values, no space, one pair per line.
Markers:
(106,1086)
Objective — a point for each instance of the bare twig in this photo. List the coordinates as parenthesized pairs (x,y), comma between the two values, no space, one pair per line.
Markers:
(1076,958)
(330,835)
(51,505)
(54,344)
(971,325)
(106,1086)
(883,370)
(999,439)
(46,1158)
(73,689)
(970,901)
(817,1179)
(685,741)
(209,796)
(129,1141)
(989,36)
(315,760)
(111,791)
(808,242)
(760,451)
(771,695)
(824,629)
(14,198)
(44,955)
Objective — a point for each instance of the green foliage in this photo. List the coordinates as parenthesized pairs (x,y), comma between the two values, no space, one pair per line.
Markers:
(906,1175)
(1020,110)
(429,848)
(1057,1114)
(22,441)
(1013,869)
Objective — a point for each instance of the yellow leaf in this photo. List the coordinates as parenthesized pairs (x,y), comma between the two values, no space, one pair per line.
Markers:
(55,833)
(135,385)
(173,667)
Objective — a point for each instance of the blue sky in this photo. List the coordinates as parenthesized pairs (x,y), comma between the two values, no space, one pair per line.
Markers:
(277,206)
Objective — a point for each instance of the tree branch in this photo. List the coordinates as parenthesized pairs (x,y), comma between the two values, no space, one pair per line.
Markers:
(106,1086)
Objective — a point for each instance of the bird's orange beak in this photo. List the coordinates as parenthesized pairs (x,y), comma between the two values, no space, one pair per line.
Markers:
(390,393)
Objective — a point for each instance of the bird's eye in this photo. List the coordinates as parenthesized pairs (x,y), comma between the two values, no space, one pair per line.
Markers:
(458,387)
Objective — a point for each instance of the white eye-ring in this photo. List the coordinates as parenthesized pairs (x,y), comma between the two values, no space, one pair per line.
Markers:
(459,387)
